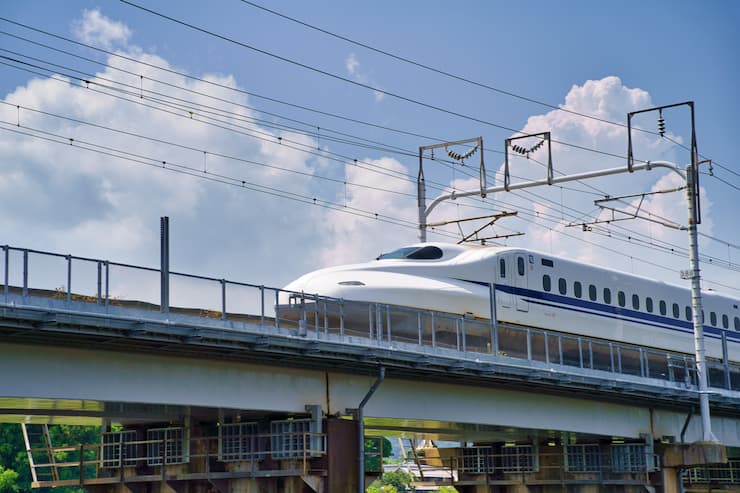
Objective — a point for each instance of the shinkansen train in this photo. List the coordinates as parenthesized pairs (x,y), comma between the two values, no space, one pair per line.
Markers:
(534,289)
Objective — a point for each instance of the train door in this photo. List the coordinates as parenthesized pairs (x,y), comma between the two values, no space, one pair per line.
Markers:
(503,278)
(520,282)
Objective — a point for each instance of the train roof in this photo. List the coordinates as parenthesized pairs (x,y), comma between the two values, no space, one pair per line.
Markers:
(455,253)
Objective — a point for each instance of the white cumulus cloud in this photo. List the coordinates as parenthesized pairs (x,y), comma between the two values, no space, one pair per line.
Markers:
(352,64)
(96,29)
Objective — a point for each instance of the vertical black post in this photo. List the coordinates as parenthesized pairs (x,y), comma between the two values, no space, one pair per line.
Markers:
(494,319)
(726,361)
(164,224)
(25,272)
(6,287)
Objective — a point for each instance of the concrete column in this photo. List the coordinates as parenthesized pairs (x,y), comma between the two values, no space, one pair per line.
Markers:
(671,480)
(243,485)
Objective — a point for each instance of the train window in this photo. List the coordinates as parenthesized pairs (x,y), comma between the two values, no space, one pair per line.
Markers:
(725,322)
(621,299)
(736,321)
(713,318)
(546,283)
(414,253)
(662,307)
(649,304)
(562,286)
(547,262)
(577,289)
(635,302)
(676,311)
(426,253)
(607,296)
(688,313)
(592,292)
(520,265)
(502,268)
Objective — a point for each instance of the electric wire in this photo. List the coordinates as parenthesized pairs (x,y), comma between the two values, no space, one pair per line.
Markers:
(353,82)
(629,235)
(499,151)
(273,99)
(192,91)
(206,151)
(228,126)
(339,180)
(161,68)
(171,166)
(213,83)
(137,92)
(199,173)
(727,183)
(388,93)
(438,70)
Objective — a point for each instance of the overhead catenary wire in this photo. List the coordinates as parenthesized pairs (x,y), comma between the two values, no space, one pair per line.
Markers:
(207,151)
(186,89)
(459,78)
(126,132)
(151,65)
(137,93)
(198,172)
(221,178)
(90,78)
(619,233)
(433,69)
(206,81)
(354,82)
(228,126)
(93,77)
(195,171)
(314,110)
(264,97)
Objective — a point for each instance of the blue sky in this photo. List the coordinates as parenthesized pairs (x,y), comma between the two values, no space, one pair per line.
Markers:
(597,58)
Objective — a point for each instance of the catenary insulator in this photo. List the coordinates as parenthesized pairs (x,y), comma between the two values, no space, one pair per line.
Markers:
(661,125)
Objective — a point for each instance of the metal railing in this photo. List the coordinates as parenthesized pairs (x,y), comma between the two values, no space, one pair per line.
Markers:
(33,273)
(119,459)
(538,463)
(718,473)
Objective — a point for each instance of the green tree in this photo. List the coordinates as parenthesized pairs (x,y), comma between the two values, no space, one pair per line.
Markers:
(399,479)
(379,487)
(14,460)
(372,452)
(13,455)
(8,479)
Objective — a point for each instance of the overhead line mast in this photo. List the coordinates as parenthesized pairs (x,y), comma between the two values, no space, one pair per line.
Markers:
(691,177)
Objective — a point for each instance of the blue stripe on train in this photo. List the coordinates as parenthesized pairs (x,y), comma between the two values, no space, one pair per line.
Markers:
(608,311)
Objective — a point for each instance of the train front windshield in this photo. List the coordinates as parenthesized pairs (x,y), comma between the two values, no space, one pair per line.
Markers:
(413,253)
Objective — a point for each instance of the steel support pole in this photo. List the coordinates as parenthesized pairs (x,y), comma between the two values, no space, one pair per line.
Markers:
(164,225)
(494,318)
(422,199)
(696,306)
(361,430)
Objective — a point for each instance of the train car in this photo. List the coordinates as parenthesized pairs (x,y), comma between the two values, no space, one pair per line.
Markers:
(534,289)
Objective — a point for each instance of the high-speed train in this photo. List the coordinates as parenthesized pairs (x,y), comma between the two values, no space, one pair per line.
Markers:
(534,289)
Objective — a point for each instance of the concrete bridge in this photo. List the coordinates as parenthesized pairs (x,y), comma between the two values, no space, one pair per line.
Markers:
(517,420)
